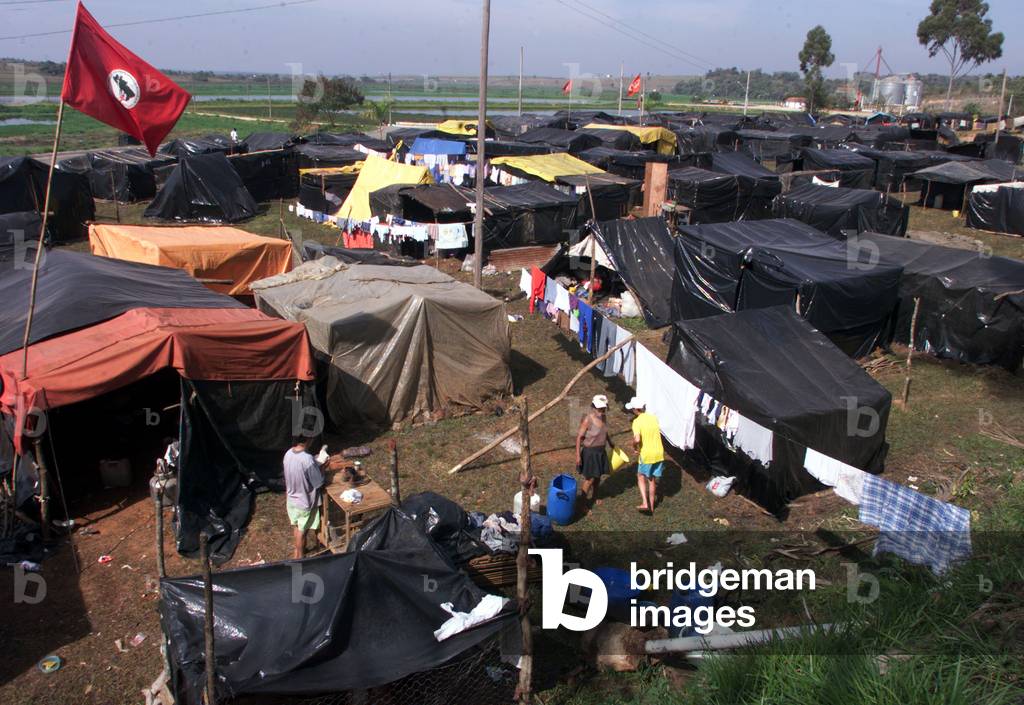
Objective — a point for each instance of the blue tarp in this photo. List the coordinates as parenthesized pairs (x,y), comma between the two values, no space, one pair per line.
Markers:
(426,145)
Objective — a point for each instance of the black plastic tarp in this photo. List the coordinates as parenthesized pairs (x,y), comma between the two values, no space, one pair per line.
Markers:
(960,315)
(23,188)
(632,164)
(759,184)
(325,192)
(999,210)
(328,624)
(775,369)
(312,249)
(946,185)
(125,174)
(616,139)
(533,213)
(613,195)
(757,264)
(76,290)
(269,174)
(572,141)
(203,188)
(641,250)
(765,144)
(18,233)
(712,197)
(836,209)
(262,141)
(318,156)
(853,170)
(199,145)
(892,168)
(512,149)
(704,139)
(351,139)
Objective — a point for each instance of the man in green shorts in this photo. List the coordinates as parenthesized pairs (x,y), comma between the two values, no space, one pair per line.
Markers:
(303,480)
(647,442)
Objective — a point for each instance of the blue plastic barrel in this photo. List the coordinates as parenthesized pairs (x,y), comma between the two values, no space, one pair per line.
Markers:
(688,598)
(617,583)
(562,499)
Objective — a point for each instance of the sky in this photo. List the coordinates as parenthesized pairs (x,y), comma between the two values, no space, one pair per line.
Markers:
(560,37)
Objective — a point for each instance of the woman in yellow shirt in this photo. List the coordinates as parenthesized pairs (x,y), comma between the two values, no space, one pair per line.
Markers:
(647,442)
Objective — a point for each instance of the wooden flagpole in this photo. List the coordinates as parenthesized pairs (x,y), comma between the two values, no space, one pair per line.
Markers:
(42,237)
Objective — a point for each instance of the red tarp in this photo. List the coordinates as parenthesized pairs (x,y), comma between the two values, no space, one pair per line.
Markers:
(202,344)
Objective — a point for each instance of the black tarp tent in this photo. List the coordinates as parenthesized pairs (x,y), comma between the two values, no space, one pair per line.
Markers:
(613,195)
(1009,148)
(17,233)
(356,621)
(263,141)
(324,190)
(972,308)
(834,209)
(209,144)
(852,170)
(325,156)
(765,144)
(730,267)
(712,197)
(704,139)
(352,139)
(632,164)
(206,188)
(997,207)
(571,141)
(641,250)
(268,175)
(23,188)
(616,139)
(776,370)
(892,168)
(946,185)
(509,127)
(125,174)
(506,148)
(761,184)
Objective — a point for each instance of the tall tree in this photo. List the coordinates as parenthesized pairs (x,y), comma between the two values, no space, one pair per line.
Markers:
(815,56)
(323,99)
(960,30)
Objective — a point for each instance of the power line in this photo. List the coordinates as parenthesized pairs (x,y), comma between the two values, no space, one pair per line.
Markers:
(169,19)
(29,2)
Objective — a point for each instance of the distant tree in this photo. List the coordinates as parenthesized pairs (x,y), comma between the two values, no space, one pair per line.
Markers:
(378,112)
(815,56)
(653,98)
(972,109)
(960,30)
(324,97)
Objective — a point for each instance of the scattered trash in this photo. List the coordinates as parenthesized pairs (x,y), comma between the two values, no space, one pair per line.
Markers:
(352,496)
(137,639)
(68,524)
(104,559)
(676,539)
(127,566)
(722,521)
(119,643)
(49,664)
(356,452)
(913,487)
(30,567)
(911,478)
(514,318)
(323,456)
(720,485)
(88,689)
(88,531)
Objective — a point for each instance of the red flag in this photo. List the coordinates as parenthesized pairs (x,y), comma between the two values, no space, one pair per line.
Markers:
(634,86)
(106,81)
(567,88)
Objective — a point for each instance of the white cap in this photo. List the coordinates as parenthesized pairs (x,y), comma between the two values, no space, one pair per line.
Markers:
(636,403)
(600,401)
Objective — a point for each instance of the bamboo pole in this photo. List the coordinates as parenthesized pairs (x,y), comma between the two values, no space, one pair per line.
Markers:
(158,505)
(526,480)
(481,147)
(42,236)
(204,556)
(544,409)
(113,193)
(44,490)
(396,495)
(910,351)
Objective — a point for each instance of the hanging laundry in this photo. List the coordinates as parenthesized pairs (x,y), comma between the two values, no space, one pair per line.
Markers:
(358,240)
(562,298)
(525,281)
(604,338)
(574,321)
(586,326)
(753,439)
(622,361)
(452,236)
(597,323)
(846,480)
(550,290)
(539,281)
(670,397)
(916,527)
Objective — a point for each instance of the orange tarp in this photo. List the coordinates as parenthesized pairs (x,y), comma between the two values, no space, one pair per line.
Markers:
(205,252)
(229,344)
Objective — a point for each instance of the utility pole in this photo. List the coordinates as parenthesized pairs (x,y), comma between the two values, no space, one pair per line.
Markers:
(999,116)
(520,81)
(270,103)
(481,146)
(390,101)
(746,95)
(621,69)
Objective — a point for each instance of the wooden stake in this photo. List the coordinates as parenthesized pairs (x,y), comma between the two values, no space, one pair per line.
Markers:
(526,480)
(910,351)
(42,236)
(396,495)
(44,490)
(547,407)
(113,193)
(204,556)
(158,502)
(481,147)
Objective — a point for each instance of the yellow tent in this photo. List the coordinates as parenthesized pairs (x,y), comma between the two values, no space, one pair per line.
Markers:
(328,170)
(231,256)
(461,127)
(376,174)
(548,166)
(664,141)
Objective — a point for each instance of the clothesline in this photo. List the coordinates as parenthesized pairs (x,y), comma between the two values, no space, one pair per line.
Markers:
(916,527)
(362,234)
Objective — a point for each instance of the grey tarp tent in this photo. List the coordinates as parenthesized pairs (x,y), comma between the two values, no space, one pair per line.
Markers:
(401,343)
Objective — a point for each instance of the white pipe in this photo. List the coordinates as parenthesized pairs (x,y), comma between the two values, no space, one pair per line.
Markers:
(714,642)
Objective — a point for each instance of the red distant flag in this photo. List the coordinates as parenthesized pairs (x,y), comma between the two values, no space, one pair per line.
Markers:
(106,81)
(567,88)
(634,86)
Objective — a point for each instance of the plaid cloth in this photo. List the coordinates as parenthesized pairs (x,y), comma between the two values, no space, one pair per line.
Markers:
(915,527)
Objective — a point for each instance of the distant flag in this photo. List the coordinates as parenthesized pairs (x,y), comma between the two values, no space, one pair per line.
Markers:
(567,88)
(634,86)
(107,82)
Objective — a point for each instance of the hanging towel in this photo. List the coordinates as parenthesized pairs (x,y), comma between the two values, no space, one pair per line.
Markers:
(753,439)
(550,290)
(452,236)
(604,338)
(846,480)
(561,298)
(623,361)
(672,399)
(586,325)
(538,282)
(525,281)
(916,527)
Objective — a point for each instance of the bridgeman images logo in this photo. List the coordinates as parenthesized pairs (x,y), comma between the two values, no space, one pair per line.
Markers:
(124,87)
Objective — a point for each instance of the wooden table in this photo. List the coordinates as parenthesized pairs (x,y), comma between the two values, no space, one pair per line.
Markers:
(375,498)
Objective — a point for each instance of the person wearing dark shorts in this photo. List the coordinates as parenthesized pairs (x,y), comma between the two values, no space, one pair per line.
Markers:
(591,457)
